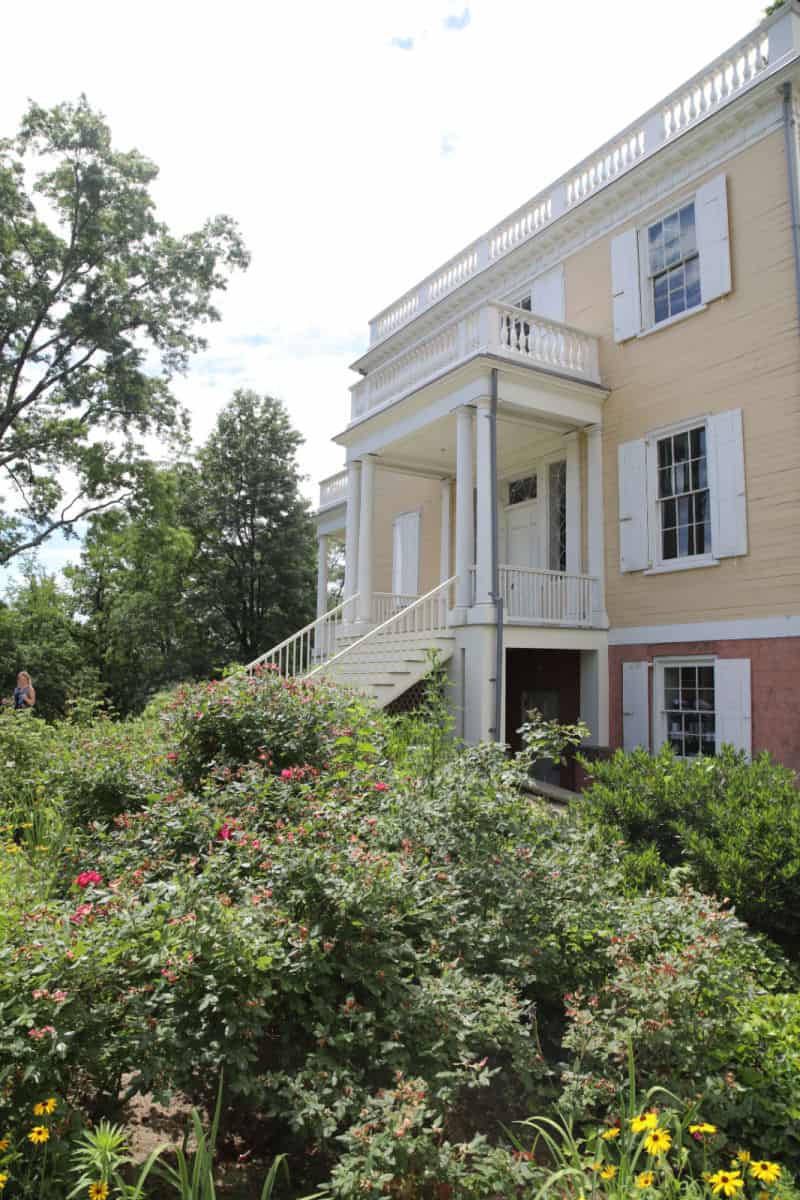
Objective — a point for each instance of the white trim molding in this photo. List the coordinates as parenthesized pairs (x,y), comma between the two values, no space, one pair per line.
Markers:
(706,631)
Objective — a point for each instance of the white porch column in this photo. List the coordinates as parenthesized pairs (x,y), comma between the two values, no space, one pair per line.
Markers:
(445,493)
(322,574)
(465,540)
(574,551)
(365,539)
(483,462)
(351,535)
(594,507)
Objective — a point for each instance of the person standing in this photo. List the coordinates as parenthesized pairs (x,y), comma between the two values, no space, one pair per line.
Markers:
(24,692)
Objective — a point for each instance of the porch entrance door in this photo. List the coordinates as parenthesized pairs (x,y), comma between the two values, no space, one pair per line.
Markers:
(405,555)
(522,540)
(548,702)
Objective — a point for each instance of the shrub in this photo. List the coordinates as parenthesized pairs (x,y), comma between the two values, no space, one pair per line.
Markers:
(734,823)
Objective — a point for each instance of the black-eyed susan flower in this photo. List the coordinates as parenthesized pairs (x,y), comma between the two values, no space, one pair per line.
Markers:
(645,1179)
(767,1172)
(658,1141)
(608,1172)
(45,1107)
(743,1156)
(726,1183)
(608,1135)
(3,1180)
(39,1134)
(4,1144)
(98,1191)
(702,1128)
(647,1120)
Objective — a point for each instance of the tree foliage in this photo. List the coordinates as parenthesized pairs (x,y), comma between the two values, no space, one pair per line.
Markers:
(255,563)
(99,306)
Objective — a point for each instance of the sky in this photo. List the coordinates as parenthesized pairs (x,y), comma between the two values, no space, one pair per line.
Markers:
(359,144)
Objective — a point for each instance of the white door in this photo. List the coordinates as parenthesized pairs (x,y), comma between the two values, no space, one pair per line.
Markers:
(405,555)
(522,534)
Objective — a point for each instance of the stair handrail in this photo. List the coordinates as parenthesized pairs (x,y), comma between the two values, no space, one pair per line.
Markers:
(295,640)
(396,619)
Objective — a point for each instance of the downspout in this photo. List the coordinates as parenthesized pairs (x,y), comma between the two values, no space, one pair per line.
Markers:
(790,136)
(496,597)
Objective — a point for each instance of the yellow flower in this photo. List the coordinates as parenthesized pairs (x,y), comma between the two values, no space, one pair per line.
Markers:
(39,1134)
(4,1144)
(658,1141)
(645,1179)
(98,1191)
(767,1172)
(50,1105)
(3,1180)
(647,1120)
(743,1156)
(608,1172)
(608,1135)
(704,1127)
(726,1182)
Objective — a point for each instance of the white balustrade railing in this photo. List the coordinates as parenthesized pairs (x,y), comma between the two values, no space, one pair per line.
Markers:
(310,647)
(775,42)
(546,343)
(333,490)
(386,604)
(492,328)
(427,616)
(545,597)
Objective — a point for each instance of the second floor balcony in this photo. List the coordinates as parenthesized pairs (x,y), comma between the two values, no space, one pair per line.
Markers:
(501,331)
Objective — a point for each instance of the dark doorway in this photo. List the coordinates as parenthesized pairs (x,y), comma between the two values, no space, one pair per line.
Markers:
(550,681)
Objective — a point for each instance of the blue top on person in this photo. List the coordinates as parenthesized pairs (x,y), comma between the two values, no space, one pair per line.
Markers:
(24,692)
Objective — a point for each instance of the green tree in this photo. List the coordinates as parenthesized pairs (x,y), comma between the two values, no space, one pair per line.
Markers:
(253,574)
(130,587)
(40,633)
(99,307)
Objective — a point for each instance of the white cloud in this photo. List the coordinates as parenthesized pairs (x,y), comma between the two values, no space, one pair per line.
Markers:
(328,146)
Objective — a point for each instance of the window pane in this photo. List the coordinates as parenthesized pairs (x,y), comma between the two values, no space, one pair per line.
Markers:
(681,478)
(520,490)
(699,474)
(681,447)
(656,248)
(688,242)
(691,746)
(665,452)
(705,677)
(697,441)
(693,283)
(684,510)
(672,677)
(665,481)
(668,514)
(683,541)
(660,298)
(557,516)
(672,239)
(670,544)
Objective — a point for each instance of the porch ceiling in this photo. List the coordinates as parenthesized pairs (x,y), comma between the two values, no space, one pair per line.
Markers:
(431,450)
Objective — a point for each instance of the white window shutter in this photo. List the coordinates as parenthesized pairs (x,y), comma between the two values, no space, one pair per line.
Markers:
(635,706)
(713,244)
(547,296)
(632,467)
(732,703)
(405,555)
(625,285)
(728,505)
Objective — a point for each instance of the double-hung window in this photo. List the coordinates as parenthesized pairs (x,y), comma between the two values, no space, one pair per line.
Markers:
(684,510)
(682,495)
(699,704)
(688,707)
(673,264)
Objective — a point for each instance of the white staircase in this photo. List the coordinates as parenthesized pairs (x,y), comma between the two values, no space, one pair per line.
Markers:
(384,662)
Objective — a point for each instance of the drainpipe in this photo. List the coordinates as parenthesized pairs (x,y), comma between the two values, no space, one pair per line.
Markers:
(790,135)
(496,597)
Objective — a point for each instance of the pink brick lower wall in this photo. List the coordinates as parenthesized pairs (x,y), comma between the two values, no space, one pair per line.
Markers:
(774,683)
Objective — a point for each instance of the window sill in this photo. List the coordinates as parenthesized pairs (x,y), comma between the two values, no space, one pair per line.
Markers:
(682,564)
(672,321)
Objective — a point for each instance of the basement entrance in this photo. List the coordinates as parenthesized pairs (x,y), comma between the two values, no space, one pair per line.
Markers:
(550,681)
